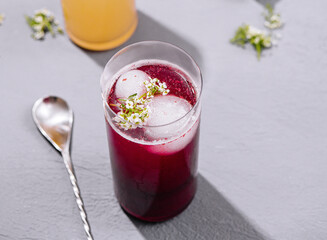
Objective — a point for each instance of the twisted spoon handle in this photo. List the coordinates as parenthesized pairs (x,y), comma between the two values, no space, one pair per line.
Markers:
(79,201)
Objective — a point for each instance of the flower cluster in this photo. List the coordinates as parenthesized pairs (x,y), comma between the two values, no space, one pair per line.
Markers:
(2,17)
(42,22)
(272,20)
(155,86)
(248,34)
(135,110)
(257,38)
(133,113)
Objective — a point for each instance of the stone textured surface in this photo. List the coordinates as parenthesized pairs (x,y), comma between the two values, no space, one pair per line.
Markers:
(263,142)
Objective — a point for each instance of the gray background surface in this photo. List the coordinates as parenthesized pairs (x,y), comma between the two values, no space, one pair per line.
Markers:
(262,170)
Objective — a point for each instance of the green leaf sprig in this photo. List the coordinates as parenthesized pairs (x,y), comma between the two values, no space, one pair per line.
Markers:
(134,111)
(41,22)
(259,39)
(248,34)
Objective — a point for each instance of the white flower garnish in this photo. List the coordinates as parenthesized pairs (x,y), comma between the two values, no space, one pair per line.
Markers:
(249,34)
(43,21)
(272,20)
(135,110)
(257,38)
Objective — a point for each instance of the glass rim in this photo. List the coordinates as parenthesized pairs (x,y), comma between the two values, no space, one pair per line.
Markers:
(104,98)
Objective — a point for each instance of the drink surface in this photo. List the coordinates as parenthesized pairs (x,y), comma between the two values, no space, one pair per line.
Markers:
(177,81)
(165,109)
(154,168)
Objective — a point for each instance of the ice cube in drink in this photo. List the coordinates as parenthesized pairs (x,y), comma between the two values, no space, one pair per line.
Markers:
(130,83)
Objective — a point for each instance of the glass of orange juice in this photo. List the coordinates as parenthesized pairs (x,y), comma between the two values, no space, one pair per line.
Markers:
(99,24)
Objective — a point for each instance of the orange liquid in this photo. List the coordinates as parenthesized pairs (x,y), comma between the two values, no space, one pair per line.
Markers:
(99,24)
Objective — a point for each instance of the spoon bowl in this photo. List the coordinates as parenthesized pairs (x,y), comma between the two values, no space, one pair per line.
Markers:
(54,119)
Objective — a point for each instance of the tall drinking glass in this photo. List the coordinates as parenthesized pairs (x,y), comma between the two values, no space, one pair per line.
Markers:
(99,24)
(154,166)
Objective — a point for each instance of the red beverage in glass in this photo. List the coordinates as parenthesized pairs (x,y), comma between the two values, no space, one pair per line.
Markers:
(154,166)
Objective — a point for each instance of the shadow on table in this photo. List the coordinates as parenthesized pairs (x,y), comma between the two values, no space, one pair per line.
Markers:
(209,216)
(148,29)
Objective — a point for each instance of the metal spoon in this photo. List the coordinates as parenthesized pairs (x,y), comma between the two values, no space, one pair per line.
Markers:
(54,119)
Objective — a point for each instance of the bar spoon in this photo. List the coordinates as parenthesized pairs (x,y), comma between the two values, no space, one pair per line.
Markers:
(54,119)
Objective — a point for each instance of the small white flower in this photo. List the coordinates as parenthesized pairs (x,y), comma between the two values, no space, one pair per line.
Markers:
(38,27)
(272,25)
(125,125)
(46,12)
(162,87)
(132,117)
(257,39)
(38,19)
(38,35)
(129,104)
(135,118)
(252,31)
